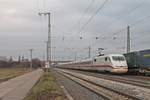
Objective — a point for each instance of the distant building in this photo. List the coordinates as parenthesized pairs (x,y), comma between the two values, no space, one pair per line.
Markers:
(25,60)
(3,58)
(4,62)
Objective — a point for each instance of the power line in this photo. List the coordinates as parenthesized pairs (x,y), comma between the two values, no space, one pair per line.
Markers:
(132,25)
(120,18)
(86,10)
(92,16)
(83,15)
(128,13)
(135,8)
(137,38)
(119,31)
(140,20)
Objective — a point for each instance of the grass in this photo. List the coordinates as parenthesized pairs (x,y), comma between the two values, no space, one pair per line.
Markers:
(8,73)
(46,89)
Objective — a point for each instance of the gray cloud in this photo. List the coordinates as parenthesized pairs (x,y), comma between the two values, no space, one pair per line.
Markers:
(21,28)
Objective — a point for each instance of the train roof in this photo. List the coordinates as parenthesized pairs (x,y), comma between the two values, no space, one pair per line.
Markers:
(108,55)
(143,51)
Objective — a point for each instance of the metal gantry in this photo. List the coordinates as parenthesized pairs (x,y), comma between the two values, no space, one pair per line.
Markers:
(31,51)
(128,39)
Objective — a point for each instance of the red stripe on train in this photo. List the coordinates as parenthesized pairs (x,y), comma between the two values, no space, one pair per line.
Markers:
(93,66)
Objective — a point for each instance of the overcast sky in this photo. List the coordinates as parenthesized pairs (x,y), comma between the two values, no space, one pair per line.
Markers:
(21,28)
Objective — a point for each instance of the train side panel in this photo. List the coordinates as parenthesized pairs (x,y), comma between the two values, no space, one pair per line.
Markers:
(144,57)
(132,61)
(103,63)
(139,62)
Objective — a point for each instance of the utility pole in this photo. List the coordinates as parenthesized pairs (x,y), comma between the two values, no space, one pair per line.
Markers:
(128,39)
(49,36)
(89,51)
(31,50)
(47,57)
(75,58)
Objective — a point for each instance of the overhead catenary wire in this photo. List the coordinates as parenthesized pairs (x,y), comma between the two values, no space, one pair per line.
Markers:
(119,19)
(142,38)
(78,24)
(128,13)
(131,25)
(85,11)
(120,30)
(92,16)
(140,20)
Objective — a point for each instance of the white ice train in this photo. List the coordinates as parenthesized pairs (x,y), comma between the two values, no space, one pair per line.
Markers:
(113,63)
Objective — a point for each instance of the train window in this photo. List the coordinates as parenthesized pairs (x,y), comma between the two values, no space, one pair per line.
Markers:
(105,58)
(94,60)
(117,58)
(108,59)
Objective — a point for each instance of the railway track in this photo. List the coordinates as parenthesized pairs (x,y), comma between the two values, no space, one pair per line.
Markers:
(98,86)
(141,81)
